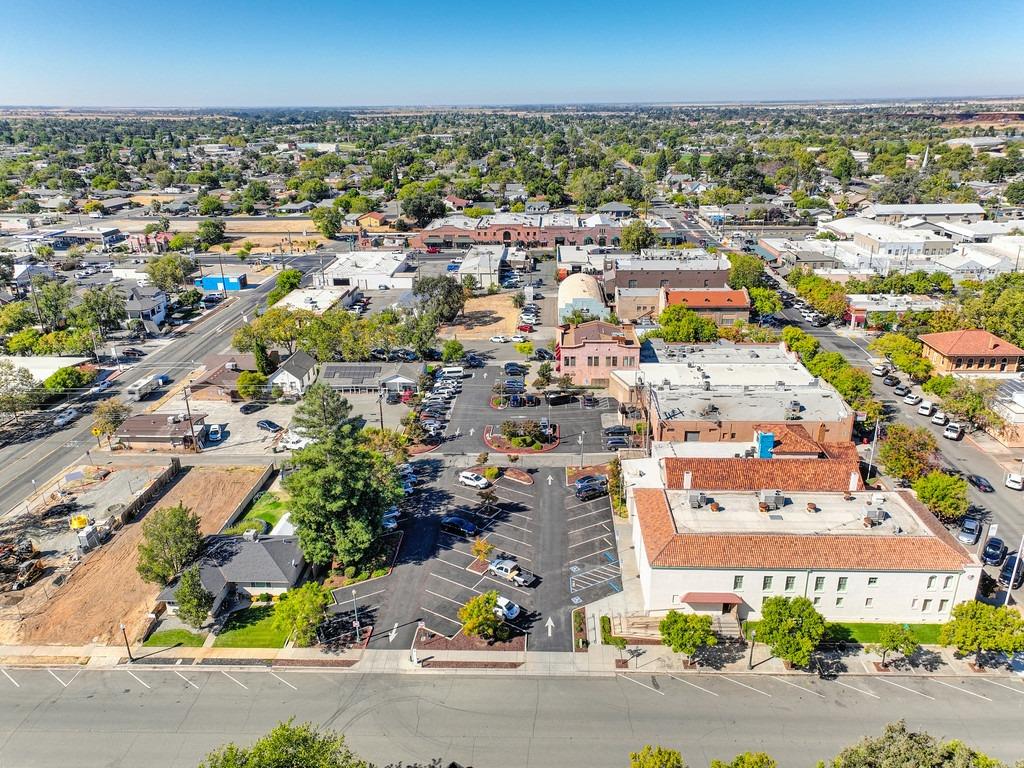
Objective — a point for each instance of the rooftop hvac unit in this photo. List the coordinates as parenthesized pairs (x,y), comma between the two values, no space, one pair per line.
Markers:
(875,513)
(793,410)
(774,499)
(697,500)
(250,534)
(877,499)
(231,365)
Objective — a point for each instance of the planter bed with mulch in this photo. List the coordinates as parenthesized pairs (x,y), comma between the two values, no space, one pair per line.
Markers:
(432,664)
(579,631)
(518,476)
(500,443)
(477,566)
(391,542)
(572,474)
(461,642)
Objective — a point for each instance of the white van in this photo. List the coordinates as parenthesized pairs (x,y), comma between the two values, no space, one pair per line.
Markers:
(926,408)
(953,431)
(452,372)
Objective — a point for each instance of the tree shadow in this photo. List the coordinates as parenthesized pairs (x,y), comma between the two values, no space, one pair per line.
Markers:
(718,657)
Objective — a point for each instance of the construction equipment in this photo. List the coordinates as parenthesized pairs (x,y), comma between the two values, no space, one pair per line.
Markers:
(79,521)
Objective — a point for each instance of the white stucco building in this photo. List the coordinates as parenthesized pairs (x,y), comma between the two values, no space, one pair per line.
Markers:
(371,270)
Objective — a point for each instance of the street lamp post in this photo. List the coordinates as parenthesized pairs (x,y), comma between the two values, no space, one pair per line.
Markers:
(412,651)
(753,642)
(355,608)
(583,433)
(127,647)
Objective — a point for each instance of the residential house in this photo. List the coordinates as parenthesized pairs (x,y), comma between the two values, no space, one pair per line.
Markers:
(971,351)
(295,374)
(219,380)
(372,376)
(148,304)
(616,211)
(371,220)
(537,206)
(302,206)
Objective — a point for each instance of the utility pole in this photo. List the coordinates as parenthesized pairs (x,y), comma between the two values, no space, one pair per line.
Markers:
(191,424)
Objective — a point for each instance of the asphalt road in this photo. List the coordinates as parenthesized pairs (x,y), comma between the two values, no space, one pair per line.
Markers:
(171,717)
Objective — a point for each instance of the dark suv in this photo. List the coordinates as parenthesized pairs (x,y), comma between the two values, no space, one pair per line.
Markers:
(589,492)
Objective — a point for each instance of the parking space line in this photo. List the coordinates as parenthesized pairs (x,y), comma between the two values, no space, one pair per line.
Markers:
(799,687)
(585,504)
(643,685)
(503,536)
(13,681)
(585,514)
(452,581)
(517,527)
(596,538)
(858,690)
(905,688)
(527,518)
(752,688)
(592,554)
(513,490)
(443,597)
(694,685)
(441,616)
(592,525)
(505,584)
(185,679)
(137,678)
(284,681)
(962,690)
(229,677)
(993,682)
(57,678)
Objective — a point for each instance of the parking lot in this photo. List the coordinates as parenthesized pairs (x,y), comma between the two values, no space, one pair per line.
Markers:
(568,544)
(239,430)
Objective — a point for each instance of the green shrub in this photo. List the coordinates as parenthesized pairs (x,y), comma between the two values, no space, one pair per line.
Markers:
(265,597)
(378,572)
(491,473)
(578,621)
(350,571)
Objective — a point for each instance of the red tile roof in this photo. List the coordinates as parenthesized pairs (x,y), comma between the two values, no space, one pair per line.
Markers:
(790,439)
(764,474)
(701,298)
(666,548)
(969,342)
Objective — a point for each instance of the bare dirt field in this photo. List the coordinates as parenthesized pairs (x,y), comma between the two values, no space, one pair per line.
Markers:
(105,589)
(483,317)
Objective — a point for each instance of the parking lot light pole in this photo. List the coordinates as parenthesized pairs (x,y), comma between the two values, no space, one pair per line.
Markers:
(127,647)
(583,433)
(355,608)
(753,642)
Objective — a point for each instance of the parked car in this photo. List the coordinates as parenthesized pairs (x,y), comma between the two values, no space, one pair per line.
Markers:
(393,398)
(980,483)
(99,387)
(214,433)
(65,417)
(514,369)
(926,408)
(433,249)
(617,430)
(881,370)
(506,609)
(132,352)
(588,480)
(901,391)
(891,381)
(970,531)
(525,328)
(953,431)
(511,571)
(940,418)
(913,399)
(590,492)
(247,408)
(589,401)
(499,339)
(472,361)
(1012,572)
(473,480)
(543,354)
(994,552)
(1015,481)
(458,525)
(269,426)
(614,443)
(518,338)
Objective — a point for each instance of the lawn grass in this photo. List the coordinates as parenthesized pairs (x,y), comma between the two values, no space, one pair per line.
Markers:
(175,637)
(866,632)
(251,628)
(271,507)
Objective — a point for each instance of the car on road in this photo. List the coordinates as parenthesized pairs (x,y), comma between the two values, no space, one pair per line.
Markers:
(980,483)
(588,480)
(499,339)
(102,386)
(132,352)
(214,433)
(589,401)
(543,354)
(458,525)
(432,249)
(994,552)
(953,431)
(891,381)
(65,417)
(912,399)
(506,609)
(248,408)
(940,418)
(269,426)
(525,328)
(473,480)
(970,530)
(1015,481)
(1012,572)
(901,391)
(518,338)
(819,322)
(617,430)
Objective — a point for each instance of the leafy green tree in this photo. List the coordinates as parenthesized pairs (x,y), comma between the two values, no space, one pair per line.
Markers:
(907,452)
(208,205)
(945,495)
(899,747)
(288,746)
(656,757)
(23,342)
(327,220)
(636,236)
(745,271)
(479,617)
(322,412)
(792,627)
(194,600)
(423,207)
(765,301)
(678,323)
(894,638)
(52,300)
(313,190)
(16,316)
(102,307)
(687,632)
(978,628)
(301,612)
(182,241)
(190,297)
(469,286)
(169,271)
(108,415)
(287,281)
(1014,193)
(970,400)
(904,353)
(17,388)
(210,232)
(170,542)
(518,298)
(339,492)
(452,350)
(69,377)
(251,384)
(747,760)
(442,295)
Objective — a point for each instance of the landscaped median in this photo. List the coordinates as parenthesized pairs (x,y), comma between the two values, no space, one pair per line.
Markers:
(521,438)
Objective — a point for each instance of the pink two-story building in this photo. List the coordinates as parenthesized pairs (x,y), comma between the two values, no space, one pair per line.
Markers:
(589,352)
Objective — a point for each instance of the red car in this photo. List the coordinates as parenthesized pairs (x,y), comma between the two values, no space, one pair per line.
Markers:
(525,328)
(433,249)
(407,395)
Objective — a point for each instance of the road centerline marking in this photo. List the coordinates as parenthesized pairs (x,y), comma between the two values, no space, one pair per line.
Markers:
(905,688)
(229,677)
(749,687)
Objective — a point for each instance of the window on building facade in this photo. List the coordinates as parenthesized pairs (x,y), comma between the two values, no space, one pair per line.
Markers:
(931,581)
(819,583)
(868,602)
(632,284)
(926,606)
(570,361)
(947,582)
(593,360)
(817,601)
(766,582)
(737,582)
(842,584)
(629,362)
(943,605)
(872,581)
(839,602)
(611,361)
(790,583)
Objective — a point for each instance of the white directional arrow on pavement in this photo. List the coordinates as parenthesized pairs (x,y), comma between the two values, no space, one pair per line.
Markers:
(392,633)
(485,374)
(549,479)
(471,431)
(550,625)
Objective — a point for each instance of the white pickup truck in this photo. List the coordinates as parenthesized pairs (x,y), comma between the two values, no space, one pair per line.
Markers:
(510,571)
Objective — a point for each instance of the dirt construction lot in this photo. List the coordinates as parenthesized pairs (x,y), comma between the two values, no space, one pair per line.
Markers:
(106,590)
(483,317)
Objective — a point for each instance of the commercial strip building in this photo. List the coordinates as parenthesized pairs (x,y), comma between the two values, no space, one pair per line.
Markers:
(721,392)
(723,306)
(370,270)
(665,268)
(371,377)
(860,306)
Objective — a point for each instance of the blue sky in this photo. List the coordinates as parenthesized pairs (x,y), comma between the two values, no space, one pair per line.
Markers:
(339,53)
